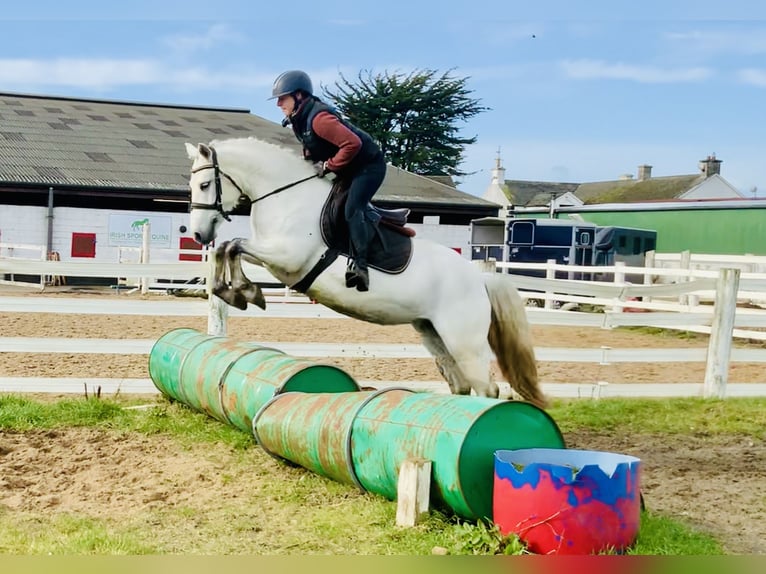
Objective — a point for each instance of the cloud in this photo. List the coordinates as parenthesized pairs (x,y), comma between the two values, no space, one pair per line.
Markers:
(83,72)
(743,40)
(105,74)
(598,69)
(753,76)
(216,34)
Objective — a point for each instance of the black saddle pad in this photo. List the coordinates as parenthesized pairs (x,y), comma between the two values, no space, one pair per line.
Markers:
(390,250)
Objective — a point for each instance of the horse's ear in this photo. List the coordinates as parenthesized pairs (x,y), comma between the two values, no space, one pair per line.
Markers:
(191,151)
(204,150)
(195,152)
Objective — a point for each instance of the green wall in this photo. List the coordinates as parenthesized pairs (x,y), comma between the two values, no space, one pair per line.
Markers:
(715,231)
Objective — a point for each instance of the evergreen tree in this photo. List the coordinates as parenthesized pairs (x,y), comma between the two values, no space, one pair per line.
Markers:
(413,117)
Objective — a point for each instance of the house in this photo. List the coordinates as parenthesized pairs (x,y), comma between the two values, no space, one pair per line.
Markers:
(706,184)
(700,212)
(78,176)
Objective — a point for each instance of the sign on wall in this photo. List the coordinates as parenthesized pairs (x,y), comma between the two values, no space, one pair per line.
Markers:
(128,230)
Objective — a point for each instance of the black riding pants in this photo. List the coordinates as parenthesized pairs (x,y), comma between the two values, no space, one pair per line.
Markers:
(364,185)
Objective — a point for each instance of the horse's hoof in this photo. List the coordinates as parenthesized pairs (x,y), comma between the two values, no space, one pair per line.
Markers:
(254,295)
(240,303)
(260,301)
(256,298)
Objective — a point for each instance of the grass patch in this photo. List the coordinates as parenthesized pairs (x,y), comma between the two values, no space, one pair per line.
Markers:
(61,534)
(173,419)
(693,416)
(670,537)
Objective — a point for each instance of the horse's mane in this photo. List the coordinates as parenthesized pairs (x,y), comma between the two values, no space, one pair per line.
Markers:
(253,145)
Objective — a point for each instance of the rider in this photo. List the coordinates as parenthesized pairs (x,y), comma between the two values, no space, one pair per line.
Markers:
(336,145)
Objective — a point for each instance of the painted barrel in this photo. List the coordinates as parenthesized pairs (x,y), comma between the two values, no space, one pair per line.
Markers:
(231,380)
(365,438)
(567,501)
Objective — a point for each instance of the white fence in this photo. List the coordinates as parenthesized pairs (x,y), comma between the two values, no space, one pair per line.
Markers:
(672,302)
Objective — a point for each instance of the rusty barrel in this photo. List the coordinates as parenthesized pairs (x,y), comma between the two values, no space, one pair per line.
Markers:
(364,438)
(312,431)
(231,380)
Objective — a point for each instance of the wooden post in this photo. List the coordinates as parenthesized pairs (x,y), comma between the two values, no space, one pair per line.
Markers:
(719,346)
(44,280)
(217,308)
(413,491)
(146,230)
(619,279)
(684,263)
(649,261)
(550,273)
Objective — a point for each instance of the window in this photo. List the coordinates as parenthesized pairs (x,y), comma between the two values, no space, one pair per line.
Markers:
(522,233)
(83,244)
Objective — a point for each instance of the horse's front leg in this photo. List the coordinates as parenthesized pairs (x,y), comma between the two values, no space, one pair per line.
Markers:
(221,287)
(251,292)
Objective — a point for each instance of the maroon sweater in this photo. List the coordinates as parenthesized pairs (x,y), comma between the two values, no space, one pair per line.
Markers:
(328,127)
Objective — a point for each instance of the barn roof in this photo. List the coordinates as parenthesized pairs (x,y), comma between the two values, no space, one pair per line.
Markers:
(627,191)
(538,193)
(112,145)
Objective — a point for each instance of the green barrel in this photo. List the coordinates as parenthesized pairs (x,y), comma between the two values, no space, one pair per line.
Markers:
(312,431)
(232,380)
(167,359)
(256,378)
(458,434)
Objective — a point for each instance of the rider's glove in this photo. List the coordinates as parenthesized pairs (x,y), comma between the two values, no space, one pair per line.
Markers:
(320,168)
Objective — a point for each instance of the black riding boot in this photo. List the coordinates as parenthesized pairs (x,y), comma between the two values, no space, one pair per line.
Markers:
(360,235)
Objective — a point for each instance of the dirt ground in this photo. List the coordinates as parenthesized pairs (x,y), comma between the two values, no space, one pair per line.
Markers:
(714,482)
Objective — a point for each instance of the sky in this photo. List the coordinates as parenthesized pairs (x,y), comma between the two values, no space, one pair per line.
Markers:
(577,90)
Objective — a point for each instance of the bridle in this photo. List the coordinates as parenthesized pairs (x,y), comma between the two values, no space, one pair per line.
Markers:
(218,205)
(218,172)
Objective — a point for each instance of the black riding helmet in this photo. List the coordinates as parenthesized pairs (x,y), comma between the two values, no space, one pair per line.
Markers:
(290,82)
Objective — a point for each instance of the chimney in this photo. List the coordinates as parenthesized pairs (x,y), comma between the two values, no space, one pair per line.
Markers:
(644,172)
(710,165)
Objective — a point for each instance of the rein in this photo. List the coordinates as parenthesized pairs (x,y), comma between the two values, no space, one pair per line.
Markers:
(284,187)
(218,205)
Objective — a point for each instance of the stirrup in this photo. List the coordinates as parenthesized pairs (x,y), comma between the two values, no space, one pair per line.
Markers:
(357,277)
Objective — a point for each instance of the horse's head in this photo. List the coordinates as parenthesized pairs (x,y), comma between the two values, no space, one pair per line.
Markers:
(214,194)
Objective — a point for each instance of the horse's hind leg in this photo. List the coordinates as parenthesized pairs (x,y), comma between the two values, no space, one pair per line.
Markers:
(462,335)
(444,362)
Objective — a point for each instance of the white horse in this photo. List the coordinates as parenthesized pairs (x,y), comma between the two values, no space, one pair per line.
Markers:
(462,314)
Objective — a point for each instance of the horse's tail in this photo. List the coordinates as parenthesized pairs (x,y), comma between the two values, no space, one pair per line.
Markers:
(510,339)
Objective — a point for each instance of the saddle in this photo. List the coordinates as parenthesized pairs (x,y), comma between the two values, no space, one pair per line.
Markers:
(390,249)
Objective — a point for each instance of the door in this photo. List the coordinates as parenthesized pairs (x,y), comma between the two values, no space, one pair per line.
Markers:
(83,244)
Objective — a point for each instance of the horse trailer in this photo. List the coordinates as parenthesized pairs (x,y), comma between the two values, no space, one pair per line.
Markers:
(567,241)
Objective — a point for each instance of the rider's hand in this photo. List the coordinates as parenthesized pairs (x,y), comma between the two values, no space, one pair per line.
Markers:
(320,168)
